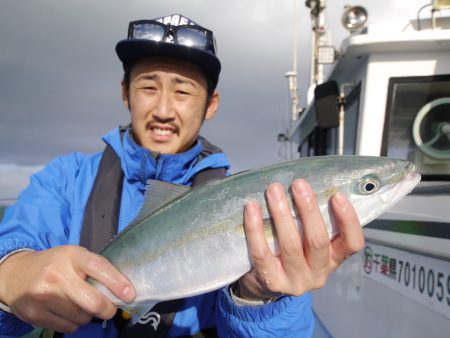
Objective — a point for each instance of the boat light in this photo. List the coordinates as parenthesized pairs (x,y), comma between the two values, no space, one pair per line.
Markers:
(354,18)
(441,4)
(326,54)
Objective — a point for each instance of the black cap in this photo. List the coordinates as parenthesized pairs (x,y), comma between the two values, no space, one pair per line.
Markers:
(133,49)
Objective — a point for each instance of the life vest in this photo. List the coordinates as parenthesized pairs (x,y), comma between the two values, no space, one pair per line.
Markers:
(100,225)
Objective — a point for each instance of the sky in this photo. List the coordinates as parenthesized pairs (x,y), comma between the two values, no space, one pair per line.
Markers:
(60,76)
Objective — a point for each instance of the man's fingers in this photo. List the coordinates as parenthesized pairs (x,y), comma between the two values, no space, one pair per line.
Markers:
(42,317)
(90,300)
(316,239)
(58,323)
(351,237)
(69,311)
(301,265)
(289,238)
(254,232)
(100,269)
(265,275)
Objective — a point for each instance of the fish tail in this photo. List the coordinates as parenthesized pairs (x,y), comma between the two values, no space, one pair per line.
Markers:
(142,314)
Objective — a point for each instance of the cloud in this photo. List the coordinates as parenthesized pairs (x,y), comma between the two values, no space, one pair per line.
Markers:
(13,179)
(60,77)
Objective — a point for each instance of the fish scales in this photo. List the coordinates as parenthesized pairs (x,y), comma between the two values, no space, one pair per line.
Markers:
(196,243)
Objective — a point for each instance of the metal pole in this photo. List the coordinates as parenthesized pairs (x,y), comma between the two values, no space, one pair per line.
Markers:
(317,18)
(293,75)
(341,129)
(295,37)
(433,19)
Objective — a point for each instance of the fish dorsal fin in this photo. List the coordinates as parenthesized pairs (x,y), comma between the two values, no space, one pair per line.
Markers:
(158,194)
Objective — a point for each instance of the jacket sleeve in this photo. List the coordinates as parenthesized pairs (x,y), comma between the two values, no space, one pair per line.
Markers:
(287,317)
(38,220)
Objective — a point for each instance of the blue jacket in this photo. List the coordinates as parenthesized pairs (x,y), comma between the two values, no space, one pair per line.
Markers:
(49,212)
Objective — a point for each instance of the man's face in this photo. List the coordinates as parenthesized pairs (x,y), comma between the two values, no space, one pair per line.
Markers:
(167,99)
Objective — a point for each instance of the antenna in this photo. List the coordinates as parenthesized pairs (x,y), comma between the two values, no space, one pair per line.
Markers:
(293,87)
(317,15)
(292,75)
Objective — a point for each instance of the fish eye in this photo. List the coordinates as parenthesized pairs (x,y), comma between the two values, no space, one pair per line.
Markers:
(369,185)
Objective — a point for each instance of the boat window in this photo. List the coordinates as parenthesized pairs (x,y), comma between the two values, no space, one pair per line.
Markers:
(351,120)
(304,148)
(311,145)
(319,142)
(417,124)
(325,141)
(331,141)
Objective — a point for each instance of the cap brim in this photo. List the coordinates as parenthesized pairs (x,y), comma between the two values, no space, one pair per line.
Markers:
(131,50)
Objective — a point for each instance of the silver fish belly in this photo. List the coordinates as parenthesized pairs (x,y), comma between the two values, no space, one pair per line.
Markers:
(195,242)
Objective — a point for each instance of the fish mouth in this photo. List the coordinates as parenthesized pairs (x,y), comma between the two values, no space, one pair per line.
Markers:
(394,193)
(403,188)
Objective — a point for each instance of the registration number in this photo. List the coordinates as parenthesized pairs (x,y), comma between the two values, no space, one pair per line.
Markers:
(422,278)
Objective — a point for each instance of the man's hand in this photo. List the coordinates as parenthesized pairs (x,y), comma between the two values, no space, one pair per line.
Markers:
(300,266)
(48,288)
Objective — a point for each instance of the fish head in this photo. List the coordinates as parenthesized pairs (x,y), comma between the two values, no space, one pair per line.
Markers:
(374,185)
(375,189)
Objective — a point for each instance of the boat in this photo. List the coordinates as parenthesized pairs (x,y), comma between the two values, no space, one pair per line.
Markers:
(387,93)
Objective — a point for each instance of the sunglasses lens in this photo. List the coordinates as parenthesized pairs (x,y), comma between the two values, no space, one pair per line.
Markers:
(192,37)
(148,31)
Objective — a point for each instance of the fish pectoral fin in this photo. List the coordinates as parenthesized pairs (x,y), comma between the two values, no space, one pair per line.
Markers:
(159,194)
(142,313)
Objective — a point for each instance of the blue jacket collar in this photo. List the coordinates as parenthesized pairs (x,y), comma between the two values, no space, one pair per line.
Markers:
(139,165)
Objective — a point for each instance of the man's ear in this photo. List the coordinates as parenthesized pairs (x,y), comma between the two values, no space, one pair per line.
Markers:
(125,95)
(213,105)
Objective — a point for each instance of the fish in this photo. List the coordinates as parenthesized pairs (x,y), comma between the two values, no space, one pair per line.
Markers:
(189,241)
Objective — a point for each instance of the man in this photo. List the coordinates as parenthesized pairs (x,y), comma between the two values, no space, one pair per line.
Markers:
(171,72)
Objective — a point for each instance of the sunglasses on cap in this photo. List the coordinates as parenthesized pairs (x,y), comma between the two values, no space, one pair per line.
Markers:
(186,35)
